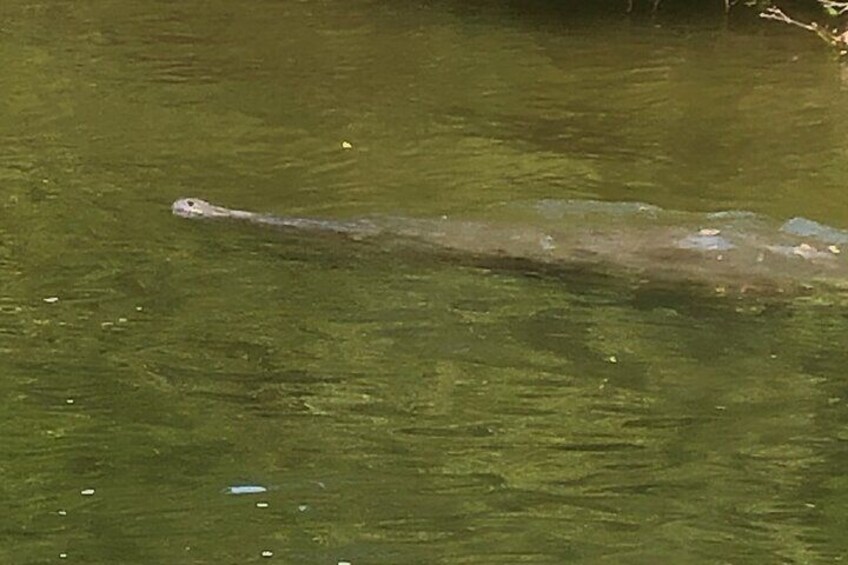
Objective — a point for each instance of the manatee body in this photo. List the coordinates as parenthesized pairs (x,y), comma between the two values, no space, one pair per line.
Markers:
(724,250)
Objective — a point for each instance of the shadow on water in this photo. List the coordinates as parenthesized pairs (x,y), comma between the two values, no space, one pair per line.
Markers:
(561,15)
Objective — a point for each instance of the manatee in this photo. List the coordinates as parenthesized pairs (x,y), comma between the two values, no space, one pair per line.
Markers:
(736,250)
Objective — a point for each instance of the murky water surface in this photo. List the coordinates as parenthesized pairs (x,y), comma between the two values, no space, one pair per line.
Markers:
(399,407)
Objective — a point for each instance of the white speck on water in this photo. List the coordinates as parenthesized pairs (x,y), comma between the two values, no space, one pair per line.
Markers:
(262,505)
(87,492)
(62,512)
(138,308)
(51,299)
(347,145)
(267,553)
(122,320)
(343,563)
(69,401)
(246,489)
(63,556)
(612,359)
(302,507)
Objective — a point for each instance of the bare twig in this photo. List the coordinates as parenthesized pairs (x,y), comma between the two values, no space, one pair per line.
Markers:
(830,37)
(839,8)
(774,13)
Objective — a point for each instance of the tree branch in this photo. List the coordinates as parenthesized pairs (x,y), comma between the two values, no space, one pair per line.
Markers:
(830,37)
(838,8)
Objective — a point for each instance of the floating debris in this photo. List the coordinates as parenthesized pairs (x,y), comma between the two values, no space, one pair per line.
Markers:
(267,553)
(834,249)
(63,556)
(62,512)
(246,489)
(612,359)
(262,505)
(302,507)
(346,145)
(709,232)
(51,299)
(87,492)
(69,401)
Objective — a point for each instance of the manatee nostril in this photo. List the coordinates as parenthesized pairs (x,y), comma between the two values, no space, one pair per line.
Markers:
(190,203)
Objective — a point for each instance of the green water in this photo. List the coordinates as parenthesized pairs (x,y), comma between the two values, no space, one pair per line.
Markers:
(400,408)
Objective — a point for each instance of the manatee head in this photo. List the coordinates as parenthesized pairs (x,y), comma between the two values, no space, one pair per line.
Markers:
(197,208)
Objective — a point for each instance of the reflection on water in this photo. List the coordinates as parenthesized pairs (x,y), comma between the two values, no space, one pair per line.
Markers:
(399,408)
